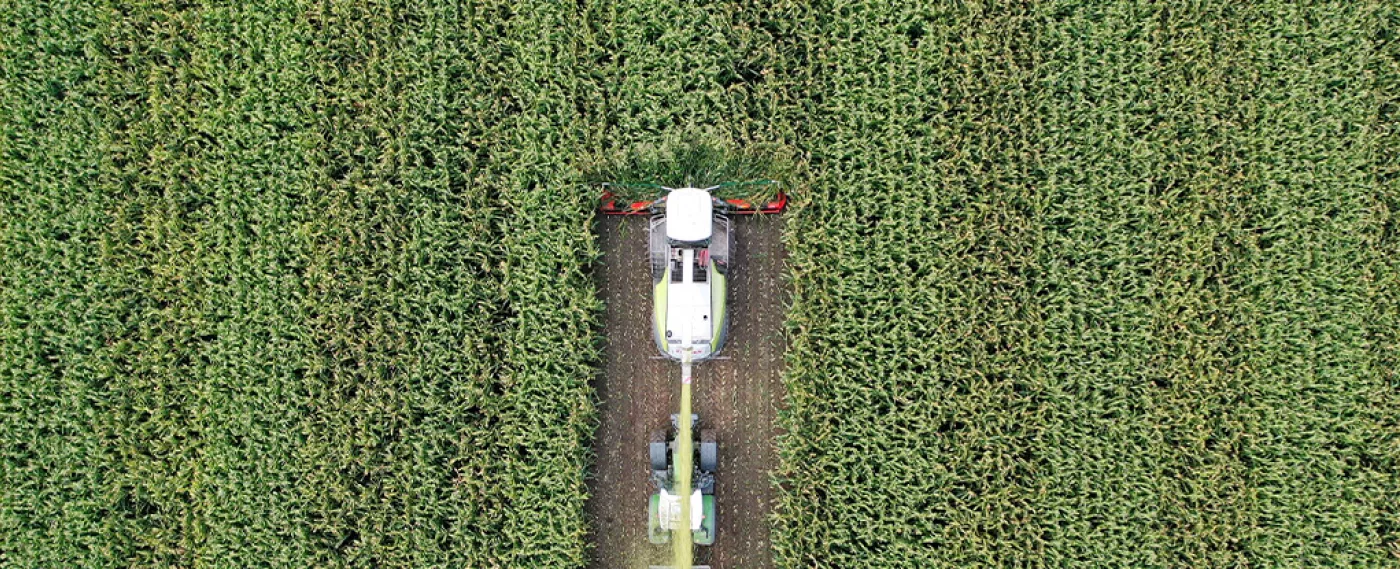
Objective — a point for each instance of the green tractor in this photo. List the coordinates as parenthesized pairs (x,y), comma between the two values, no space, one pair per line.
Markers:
(664,511)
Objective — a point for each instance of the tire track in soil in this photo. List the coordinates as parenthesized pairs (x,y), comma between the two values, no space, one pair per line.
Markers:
(737,397)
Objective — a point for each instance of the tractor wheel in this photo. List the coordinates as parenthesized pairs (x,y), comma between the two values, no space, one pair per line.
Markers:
(657,450)
(709,451)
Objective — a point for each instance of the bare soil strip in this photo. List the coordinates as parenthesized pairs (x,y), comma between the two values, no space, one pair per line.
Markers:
(737,397)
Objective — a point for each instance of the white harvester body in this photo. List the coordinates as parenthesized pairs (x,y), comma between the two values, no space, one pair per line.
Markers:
(690,242)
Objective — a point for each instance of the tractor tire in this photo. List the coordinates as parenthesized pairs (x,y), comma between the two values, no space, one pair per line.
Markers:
(709,451)
(656,448)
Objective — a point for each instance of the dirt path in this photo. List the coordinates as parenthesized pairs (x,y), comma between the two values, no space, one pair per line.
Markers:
(737,397)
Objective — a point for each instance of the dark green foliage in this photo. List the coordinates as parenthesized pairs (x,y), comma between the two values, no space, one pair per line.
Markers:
(697,159)
(1125,298)
(283,286)
(302,283)
(58,311)
(687,95)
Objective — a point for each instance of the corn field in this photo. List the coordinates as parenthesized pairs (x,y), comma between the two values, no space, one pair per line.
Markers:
(302,283)
(284,286)
(1096,284)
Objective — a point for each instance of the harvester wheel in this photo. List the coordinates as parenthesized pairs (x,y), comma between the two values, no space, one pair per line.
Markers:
(709,451)
(656,448)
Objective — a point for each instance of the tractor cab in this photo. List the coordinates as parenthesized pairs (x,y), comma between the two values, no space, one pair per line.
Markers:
(664,508)
(690,242)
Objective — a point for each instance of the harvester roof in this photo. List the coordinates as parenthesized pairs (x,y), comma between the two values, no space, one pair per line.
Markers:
(688,213)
